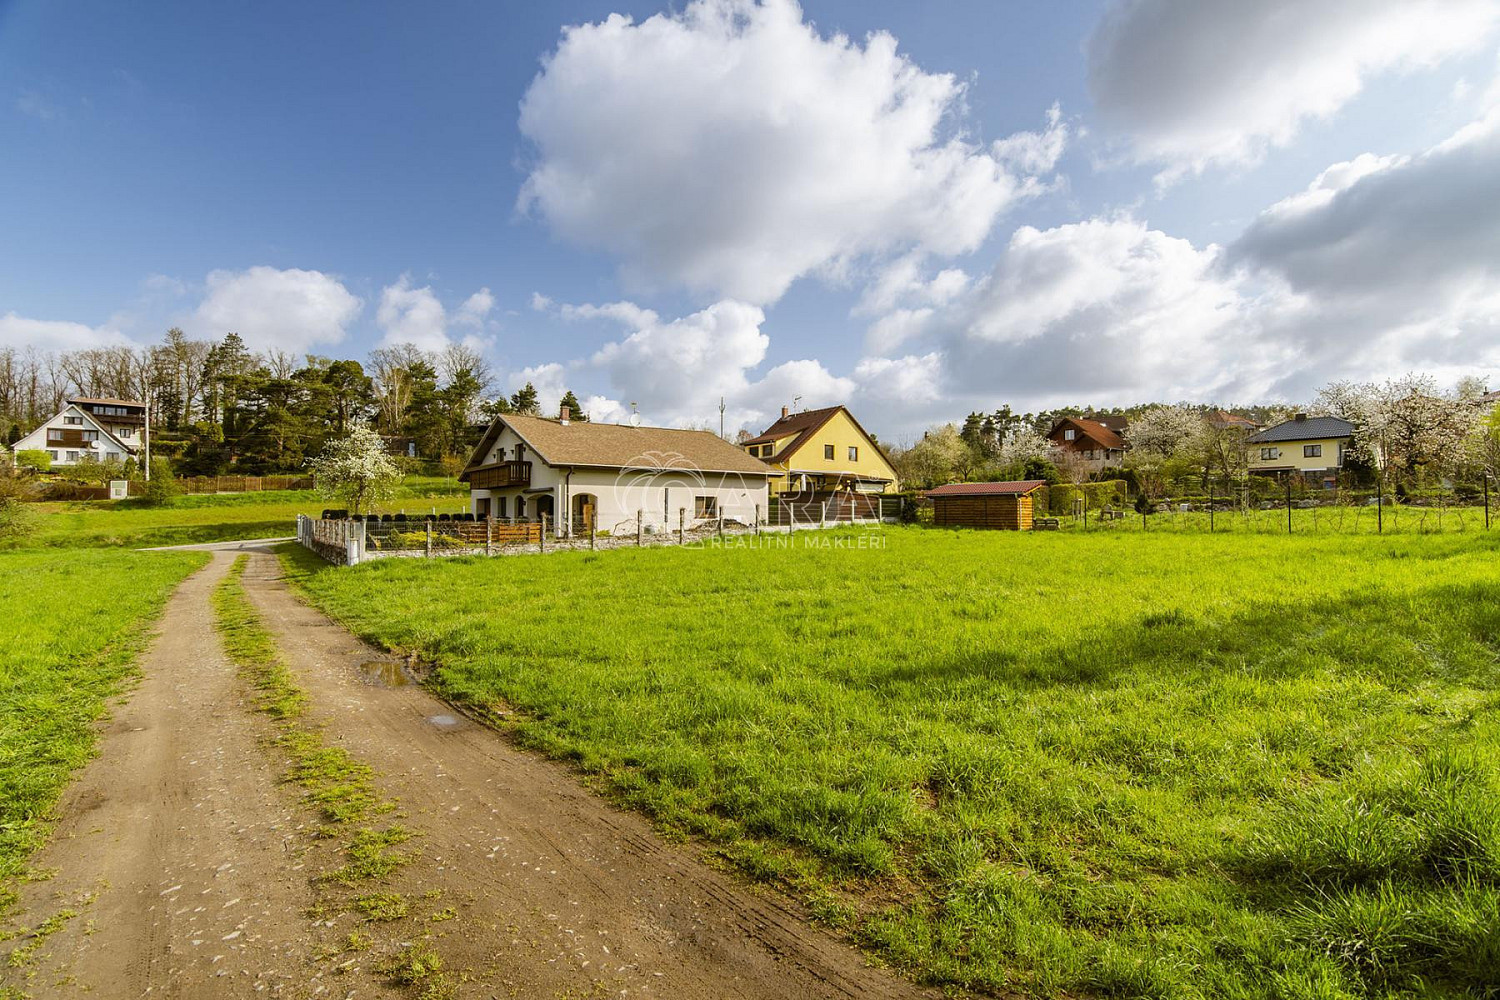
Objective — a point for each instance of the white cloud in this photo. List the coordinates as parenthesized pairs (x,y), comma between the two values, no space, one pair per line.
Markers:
(673,369)
(1193,83)
(475,309)
(1393,263)
(410,315)
(291,310)
(20,332)
(731,148)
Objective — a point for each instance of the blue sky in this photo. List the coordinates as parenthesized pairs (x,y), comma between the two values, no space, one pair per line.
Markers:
(329,177)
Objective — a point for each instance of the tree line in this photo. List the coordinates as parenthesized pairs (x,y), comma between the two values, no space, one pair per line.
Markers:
(218,407)
(1408,432)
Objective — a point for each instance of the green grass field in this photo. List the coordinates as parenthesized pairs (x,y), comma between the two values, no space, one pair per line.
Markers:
(70,625)
(209,518)
(1117,764)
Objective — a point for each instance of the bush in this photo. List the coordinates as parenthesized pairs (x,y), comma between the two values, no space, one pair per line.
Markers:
(162,488)
(1108,493)
(34,459)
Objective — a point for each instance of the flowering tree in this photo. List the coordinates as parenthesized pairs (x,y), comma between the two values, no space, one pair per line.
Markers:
(1164,444)
(356,469)
(1406,426)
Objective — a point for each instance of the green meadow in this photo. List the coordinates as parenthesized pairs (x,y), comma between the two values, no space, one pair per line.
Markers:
(70,625)
(210,517)
(1121,763)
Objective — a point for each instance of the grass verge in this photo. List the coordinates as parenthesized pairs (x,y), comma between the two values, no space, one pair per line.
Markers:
(1123,764)
(71,626)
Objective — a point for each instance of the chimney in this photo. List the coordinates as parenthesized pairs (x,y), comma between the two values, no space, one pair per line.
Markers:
(1300,416)
(784,412)
(563,414)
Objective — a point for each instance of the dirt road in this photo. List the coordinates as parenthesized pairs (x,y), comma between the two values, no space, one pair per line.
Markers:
(526,884)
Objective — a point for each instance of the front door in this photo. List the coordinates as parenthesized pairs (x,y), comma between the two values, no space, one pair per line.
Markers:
(482,508)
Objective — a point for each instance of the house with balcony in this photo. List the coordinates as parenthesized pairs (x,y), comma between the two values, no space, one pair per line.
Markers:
(583,475)
(1098,442)
(1311,447)
(818,454)
(103,428)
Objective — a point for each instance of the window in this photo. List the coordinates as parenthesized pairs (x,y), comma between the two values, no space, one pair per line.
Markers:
(499,507)
(520,453)
(124,432)
(1069,434)
(1312,451)
(90,435)
(55,435)
(853,453)
(72,456)
(52,455)
(1267,454)
(73,421)
(705,506)
(828,452)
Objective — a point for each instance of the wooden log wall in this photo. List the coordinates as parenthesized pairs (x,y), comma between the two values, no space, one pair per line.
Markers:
(1004,513)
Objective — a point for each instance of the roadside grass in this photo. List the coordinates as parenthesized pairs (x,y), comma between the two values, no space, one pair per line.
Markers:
(71,623)
(1119,764)
(341,787)
(190,520)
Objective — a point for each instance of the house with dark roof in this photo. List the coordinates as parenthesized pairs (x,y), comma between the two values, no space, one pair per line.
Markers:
(584,475)
(1312,447)
(1098,442)
(815,453)
(103,428)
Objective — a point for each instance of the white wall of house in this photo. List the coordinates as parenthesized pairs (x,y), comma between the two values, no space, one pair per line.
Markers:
(661,496)
(73,418)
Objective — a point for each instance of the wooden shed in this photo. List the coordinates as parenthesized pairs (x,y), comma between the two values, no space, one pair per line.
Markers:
(1004,506)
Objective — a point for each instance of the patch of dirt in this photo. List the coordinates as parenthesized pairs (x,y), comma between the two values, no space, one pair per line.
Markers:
(552,891)
(187,863)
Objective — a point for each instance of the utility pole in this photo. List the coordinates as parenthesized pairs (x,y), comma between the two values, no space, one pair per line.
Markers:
(146,434)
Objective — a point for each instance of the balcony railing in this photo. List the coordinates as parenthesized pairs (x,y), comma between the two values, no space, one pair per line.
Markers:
(500,475)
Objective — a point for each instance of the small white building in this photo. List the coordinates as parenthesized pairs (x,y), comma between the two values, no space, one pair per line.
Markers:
(104,428)
(582,474)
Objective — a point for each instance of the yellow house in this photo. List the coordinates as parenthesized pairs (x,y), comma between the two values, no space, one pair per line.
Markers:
(1312,447)
(822,451)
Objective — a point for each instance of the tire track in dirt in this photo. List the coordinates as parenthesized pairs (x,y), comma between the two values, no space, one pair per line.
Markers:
(187,864)
(555,892)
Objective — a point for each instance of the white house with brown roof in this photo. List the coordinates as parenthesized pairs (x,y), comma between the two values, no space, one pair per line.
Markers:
(103,428)
(579,473)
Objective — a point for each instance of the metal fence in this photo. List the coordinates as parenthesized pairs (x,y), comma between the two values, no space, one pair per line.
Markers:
(1320,512)
(348,541)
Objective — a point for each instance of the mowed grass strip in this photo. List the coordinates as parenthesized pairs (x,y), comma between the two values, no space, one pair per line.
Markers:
(1114,764)
(71,623)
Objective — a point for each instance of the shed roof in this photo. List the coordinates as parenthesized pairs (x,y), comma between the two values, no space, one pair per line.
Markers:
(619,446)
(1305,429)
(1014,488)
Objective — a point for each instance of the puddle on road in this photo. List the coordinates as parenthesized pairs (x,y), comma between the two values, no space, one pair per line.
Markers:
(384,673)
(445,721)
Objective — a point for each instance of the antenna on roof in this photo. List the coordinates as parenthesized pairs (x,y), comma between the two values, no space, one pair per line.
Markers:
(635,418)
(795,401)
(721,416)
